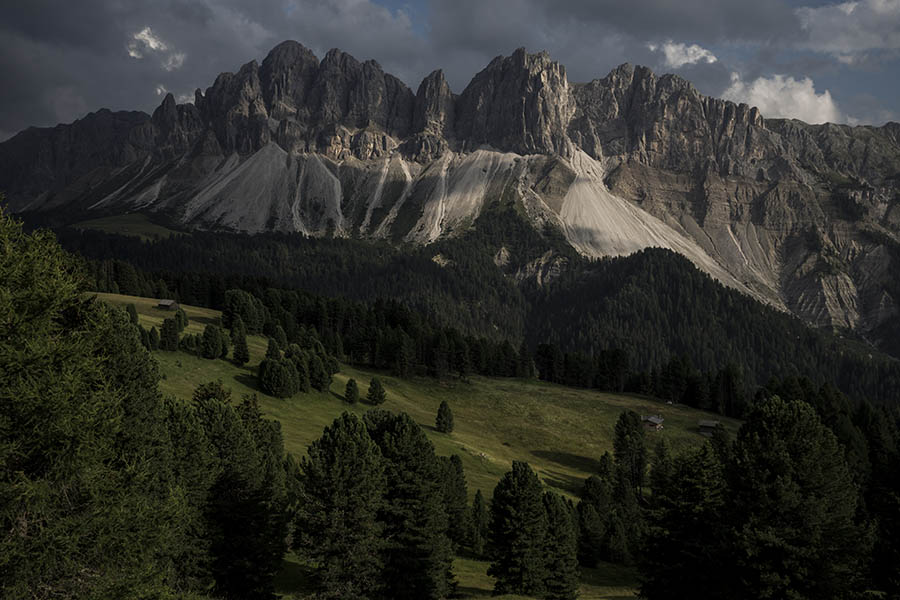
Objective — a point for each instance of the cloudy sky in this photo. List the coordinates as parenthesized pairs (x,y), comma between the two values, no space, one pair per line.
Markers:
(815,61)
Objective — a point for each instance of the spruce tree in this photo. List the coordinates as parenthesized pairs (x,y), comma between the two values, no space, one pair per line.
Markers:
(181,319)
(132,313)
(687,546)
(241,353)
(168,336)
(444,421)
(343,486)
(479,522)
(273,350)
(154,338)
(84,510)
(418,554)
(376,394)
(246,514)
(351,392)
(629,450)
(560,550)
(211,344)
(795,504)
(661,471)
(517,533)
(456,502)
(319,378)
(238,329)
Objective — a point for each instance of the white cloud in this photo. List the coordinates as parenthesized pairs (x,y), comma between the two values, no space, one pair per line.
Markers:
(174,61)
(851,28)
(678,55)
(145,40)
(785,97)
(161,90)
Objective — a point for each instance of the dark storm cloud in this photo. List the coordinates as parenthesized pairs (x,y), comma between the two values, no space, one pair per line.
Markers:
(63,59)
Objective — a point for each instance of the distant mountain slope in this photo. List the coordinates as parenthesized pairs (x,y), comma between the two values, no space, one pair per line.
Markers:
(803,217)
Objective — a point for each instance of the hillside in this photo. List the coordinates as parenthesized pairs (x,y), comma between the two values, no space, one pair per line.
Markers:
(560,431)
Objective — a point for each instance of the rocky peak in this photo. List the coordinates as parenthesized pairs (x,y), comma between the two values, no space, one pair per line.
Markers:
(286,76)
(521,103)
(434,106)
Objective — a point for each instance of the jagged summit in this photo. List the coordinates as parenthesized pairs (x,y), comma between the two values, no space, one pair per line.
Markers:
(804,217)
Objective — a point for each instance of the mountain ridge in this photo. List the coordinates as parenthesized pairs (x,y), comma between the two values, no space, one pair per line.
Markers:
(802,217)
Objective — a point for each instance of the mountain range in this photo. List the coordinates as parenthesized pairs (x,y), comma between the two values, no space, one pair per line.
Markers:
(805,218)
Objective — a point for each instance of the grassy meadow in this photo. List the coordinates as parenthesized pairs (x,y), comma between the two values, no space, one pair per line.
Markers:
(131,224)
(562,432)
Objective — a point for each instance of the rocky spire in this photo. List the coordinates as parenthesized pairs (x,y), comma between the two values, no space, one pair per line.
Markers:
(521,103)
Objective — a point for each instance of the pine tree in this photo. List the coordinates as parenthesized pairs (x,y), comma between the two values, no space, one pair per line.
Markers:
(154,338)
(661,471)
(211,345)
(795,504)
(376,394)
(84,510)
(455,499)
(168,337)
(418,553)
(479,524)
(444,421)
(181,319)
(343,486)
(560,550)
(132,313)
(273,351)
(319,378)
(351,392)
(241,354)
(238,329)
(517,533)
(629,450)
(247,509)
(686,549)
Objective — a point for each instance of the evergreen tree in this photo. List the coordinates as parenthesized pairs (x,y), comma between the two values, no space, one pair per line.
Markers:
(560,550)
(168,336)
(686,548)
(154,338)
(417,554)
(211,345)
(276,379)
(238,329)
(517,533)
(376,394)
(479,524)
(247,512)
(343,486)
(444,421)
(456,503)
(181,319)
(795,505)
(629,450)
(273,351)
(319,378)
(132,313)
(661,471)
(279,336)
(241,353)
(351,392)
(83,507)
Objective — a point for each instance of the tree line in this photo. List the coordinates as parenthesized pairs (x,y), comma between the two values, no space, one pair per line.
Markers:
(650,308)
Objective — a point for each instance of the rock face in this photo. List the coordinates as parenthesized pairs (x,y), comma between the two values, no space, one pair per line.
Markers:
(804,217)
